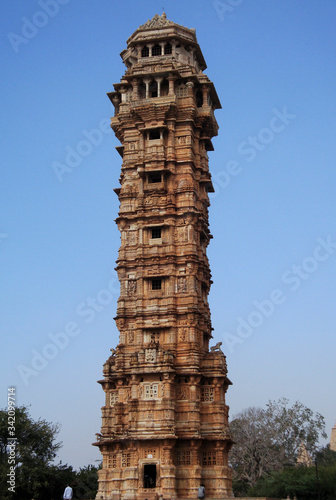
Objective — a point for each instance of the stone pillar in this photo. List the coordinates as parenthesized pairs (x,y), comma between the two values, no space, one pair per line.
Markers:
(197,467)
(171,139)
(190,87)
(134,388)
(159,80)
(147,82)
(171,80)
(141,192)
(135,87)
(173,44)
(194,381)
(205,91)
(123,92)
(168,470)
(192,56)
(116,102)
(217,388)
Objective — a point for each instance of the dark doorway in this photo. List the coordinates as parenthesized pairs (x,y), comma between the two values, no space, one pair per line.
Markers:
(149,476)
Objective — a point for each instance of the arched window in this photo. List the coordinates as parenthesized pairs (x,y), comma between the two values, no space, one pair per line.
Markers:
(145,52)
(156,50)
(168,49)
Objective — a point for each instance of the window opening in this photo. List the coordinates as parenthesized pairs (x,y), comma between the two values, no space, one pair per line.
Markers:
(155,337)
(156,284)
(113,398)
(182,90)
(168,49)
(209,458)
(151,391)
(156,232)
(156,50)
(164,88)
(142,91)
(199,99)
(145,52)
(153,89)
(125,460)
(154,134)
(183,457)
(149,476)
(112,461)
(154,178)
(150,451)
(207,394)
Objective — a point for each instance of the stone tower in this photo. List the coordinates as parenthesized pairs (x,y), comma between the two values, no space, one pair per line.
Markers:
(333,439)
(165,422)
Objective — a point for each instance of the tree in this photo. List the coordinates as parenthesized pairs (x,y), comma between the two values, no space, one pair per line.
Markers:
(304,483)
(31,457)
(267,439)
(326,457)
(253,453)
(299,482)
(36,474)
(293,426)
(86,482)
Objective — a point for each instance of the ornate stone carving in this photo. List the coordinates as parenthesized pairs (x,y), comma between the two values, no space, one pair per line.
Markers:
(183,392)
(131,238)
(150,356)
(131,287)
(157,22)
(181,284)
(162,384)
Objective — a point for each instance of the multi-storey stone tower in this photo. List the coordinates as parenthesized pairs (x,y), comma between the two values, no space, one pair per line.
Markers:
(333,439)
(165,421)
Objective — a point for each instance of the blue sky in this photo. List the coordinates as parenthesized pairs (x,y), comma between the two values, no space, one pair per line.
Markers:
(273,256)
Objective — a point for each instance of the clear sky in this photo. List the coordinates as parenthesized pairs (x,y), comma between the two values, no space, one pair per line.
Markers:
(273,256)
